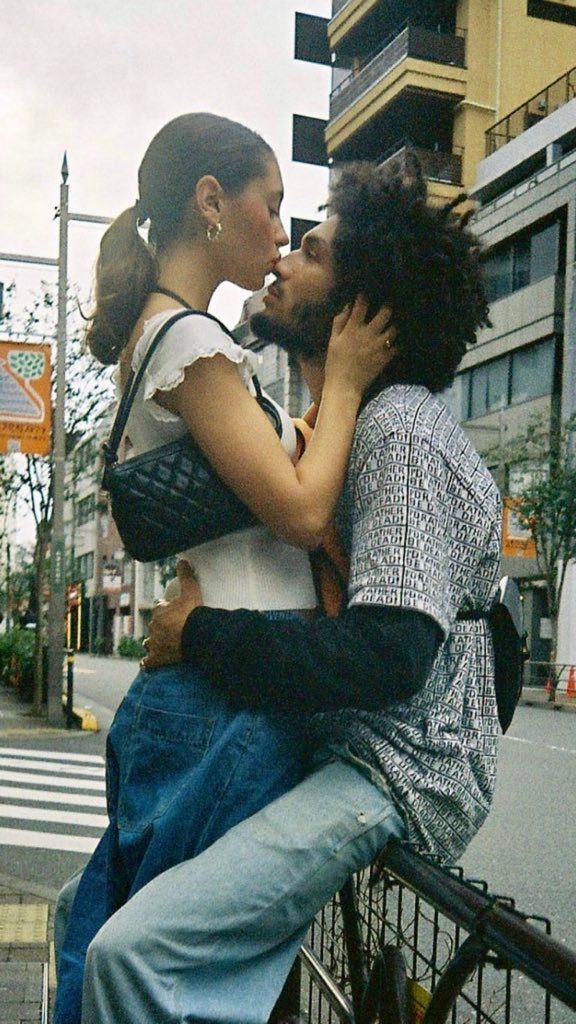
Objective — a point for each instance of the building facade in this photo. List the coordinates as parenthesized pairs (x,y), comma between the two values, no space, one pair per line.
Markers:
(521,375)
(483,91)
(109,595)
(436,75)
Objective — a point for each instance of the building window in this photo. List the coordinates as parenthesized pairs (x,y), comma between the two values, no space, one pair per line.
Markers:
(498,274)
(516,377)
(532,372)
(544,249)
(84,457)
(457,397)
(522,475)
(85,566)
(524,259)
(497,384)
(85,510)
(489,387)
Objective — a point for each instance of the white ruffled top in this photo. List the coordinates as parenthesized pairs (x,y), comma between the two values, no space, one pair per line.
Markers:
(251,568)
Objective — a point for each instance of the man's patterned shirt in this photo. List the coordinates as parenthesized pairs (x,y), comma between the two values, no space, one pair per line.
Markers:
(421,517)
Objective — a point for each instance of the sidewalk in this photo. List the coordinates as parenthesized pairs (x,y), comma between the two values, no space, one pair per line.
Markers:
(27,973)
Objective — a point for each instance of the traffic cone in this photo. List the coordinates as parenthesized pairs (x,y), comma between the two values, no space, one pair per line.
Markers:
(550,689)
(571,687)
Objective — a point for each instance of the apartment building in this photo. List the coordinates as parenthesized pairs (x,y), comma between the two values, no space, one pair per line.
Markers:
(483,91)
(435,75)
(109,595)
(523,368)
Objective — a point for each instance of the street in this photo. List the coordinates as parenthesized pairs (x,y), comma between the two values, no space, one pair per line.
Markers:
(55,782)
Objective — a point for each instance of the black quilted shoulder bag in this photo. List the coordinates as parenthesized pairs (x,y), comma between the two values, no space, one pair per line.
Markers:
(169,498)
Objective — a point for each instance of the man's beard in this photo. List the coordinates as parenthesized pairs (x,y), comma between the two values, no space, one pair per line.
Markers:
(306,336)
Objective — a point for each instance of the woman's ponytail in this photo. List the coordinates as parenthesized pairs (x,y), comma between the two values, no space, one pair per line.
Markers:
(126,273)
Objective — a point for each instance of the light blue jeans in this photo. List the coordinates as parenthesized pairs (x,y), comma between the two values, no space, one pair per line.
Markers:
(214,938)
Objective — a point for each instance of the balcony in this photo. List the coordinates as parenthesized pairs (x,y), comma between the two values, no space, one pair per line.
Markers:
(411,41)
(436,166)
(555,95)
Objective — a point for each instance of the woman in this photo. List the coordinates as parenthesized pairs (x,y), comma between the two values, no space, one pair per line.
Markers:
(212,192)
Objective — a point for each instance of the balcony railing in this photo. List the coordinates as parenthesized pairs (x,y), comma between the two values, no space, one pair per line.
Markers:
(437,166)
(410,41)
(530,113)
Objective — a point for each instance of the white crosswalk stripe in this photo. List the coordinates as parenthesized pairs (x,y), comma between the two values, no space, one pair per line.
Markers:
(33,783)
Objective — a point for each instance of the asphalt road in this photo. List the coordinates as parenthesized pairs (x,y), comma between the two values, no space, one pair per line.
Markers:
(54,829)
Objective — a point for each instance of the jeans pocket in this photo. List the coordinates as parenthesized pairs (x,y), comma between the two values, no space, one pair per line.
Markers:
(164,747)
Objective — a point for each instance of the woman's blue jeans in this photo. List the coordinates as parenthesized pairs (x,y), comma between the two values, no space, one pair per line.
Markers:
(182,769)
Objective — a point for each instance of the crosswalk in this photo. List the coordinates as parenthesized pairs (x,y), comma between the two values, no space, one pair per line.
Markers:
(52,801)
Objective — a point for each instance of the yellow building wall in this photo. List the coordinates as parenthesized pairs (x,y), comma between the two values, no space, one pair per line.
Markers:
(345,20)
(477,112)
(509,58)
(534,53)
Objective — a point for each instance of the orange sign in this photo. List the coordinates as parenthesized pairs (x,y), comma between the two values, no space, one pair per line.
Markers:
(517,541)
(25,405)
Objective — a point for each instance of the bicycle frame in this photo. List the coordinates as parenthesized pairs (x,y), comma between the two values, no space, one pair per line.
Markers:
(410,930)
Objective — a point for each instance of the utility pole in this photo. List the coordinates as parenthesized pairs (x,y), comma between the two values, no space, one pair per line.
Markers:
(57,626)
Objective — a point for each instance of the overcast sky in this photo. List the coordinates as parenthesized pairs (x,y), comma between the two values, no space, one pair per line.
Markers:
(98,78)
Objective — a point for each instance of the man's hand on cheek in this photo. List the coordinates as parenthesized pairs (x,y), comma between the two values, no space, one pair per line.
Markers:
(164,644)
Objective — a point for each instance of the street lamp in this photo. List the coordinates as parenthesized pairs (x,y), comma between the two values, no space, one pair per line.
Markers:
(57,582)
(57,609)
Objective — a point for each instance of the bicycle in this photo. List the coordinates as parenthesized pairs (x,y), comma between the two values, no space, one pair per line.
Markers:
(411,942)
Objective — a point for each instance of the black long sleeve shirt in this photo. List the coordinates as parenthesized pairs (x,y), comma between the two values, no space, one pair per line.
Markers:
(368,658)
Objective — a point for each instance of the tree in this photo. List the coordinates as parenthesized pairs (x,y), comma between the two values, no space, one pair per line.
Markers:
(547,506)
(88,393)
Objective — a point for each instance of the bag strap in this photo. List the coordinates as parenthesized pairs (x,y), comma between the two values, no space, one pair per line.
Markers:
(110,447)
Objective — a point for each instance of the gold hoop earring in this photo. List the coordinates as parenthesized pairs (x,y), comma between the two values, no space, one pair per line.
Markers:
(213,231)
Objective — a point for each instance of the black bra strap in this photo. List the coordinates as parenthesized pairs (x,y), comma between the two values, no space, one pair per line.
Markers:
(158,290)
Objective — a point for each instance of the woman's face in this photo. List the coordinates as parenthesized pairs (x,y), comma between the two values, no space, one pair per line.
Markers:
(252,230)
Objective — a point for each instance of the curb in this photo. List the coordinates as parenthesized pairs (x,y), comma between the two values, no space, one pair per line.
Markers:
(537,697)
(83,717)
(27,888)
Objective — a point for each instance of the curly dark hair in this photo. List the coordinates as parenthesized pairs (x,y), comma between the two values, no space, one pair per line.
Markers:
(396,247)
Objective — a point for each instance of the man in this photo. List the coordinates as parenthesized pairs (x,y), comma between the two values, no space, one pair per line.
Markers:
(400,688)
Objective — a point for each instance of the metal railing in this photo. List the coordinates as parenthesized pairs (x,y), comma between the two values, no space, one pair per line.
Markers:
(408,40)
(438,166)
(555,95)
(411,941)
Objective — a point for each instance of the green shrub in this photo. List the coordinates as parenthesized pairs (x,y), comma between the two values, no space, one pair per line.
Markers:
(17,660)
(130,647)
(99,645)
